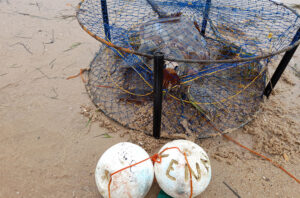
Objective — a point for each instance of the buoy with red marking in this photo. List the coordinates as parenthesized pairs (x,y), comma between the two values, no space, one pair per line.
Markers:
(173,173)
(133,182)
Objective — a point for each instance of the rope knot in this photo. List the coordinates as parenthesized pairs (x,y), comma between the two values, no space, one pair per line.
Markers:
(156,158)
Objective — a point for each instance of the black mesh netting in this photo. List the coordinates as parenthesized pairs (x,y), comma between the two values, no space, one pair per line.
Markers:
(225,93)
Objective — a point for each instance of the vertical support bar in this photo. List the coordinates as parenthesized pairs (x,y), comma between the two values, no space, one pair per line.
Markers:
(158,83)
(205,16)
(282,66)
(105,19)
(157,9)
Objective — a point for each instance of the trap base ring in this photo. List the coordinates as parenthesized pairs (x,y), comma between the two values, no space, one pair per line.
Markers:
(118,91)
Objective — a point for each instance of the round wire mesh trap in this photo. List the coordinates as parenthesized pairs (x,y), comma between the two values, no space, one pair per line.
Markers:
(217,55)
(227,94)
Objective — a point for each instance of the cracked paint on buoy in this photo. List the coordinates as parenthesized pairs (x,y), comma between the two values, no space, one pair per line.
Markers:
(133,182)
(173,175)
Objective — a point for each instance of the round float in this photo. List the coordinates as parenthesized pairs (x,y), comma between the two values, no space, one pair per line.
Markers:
(173,175)
(131,182)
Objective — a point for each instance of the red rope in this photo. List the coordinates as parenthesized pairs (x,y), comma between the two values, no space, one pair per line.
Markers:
(156,158)
(254,152)
(262,156)
(84,81)
(80,74)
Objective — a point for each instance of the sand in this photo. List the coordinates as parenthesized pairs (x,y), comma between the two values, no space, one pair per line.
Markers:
(50,149)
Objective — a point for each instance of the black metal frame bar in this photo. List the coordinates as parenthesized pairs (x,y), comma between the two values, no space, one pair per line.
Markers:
(105,19)
(282,66)
(205,17)
(159,63)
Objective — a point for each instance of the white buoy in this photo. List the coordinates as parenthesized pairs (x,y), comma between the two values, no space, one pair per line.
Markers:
(133,182)
(173,175)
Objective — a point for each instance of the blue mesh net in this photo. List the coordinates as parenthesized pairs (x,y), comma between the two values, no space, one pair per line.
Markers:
(227,94)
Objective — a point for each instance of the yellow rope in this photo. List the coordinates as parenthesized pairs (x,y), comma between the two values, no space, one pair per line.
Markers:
(121,88)
(230,97)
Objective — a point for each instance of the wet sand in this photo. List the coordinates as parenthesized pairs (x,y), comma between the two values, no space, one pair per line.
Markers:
(49,150)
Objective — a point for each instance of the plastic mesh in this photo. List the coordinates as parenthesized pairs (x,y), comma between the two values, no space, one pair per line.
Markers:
(121,84)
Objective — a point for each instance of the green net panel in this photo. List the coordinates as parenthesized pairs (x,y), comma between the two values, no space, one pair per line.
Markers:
(217,53)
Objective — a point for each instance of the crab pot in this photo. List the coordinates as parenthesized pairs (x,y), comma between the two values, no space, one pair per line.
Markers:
(217,54)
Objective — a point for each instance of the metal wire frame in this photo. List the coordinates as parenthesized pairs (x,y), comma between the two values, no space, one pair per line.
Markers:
(127,50)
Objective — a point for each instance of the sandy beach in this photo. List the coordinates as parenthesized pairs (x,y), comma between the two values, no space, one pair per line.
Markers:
(49,148)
